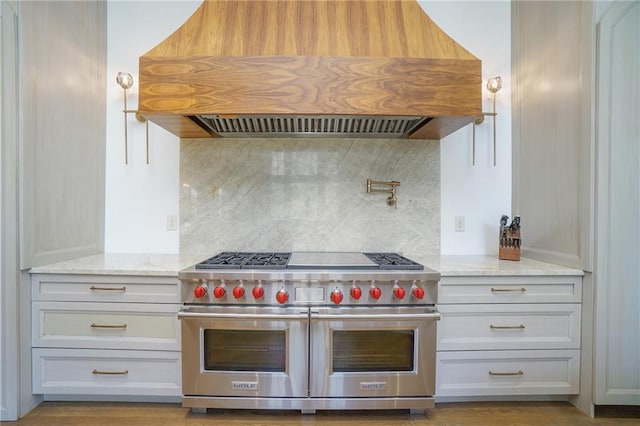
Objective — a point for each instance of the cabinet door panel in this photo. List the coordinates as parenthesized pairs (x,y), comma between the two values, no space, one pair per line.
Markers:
(106,372)
(63,130)
(105,325)
(552,54)
(97,288)
(617,273)
(491,289)
(521,326)
(484,373)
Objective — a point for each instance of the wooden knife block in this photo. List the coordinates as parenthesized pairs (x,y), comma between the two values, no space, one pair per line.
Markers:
(509,248)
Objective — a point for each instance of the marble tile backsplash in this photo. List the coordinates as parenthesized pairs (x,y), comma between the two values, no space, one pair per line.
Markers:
(308,195)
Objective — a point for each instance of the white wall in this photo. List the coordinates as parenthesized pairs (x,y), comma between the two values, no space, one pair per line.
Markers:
(480,193)
(139,197)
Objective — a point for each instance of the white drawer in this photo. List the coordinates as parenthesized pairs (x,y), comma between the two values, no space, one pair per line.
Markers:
(104,288)
(483,373)
(106,372)
(105,325)
(517,326)
(492,289)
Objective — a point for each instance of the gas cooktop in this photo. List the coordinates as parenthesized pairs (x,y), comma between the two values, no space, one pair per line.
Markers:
(309,260)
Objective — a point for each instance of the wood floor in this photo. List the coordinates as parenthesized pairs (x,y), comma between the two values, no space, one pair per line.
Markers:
(476,414)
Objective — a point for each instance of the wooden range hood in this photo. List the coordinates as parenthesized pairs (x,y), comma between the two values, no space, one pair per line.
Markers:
(310,68)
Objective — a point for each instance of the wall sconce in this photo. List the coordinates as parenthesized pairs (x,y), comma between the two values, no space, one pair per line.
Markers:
(392,199)
(493,85)
(125,80)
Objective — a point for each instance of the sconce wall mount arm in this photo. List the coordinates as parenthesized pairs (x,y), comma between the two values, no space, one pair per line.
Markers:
(493,86)
(125,80)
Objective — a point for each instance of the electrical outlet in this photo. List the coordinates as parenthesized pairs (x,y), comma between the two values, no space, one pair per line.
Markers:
(172,222)
(459,223)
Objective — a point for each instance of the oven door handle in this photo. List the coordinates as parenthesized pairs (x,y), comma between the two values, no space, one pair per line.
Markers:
(433,316)
(208,315)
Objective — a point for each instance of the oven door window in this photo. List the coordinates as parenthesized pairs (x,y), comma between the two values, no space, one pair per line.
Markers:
(245,350)
(372,351)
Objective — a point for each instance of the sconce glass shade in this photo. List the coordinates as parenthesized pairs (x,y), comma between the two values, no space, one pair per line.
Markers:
(494,84)
(125,80)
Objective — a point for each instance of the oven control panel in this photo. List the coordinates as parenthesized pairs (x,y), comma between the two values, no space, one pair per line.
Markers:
(309,292)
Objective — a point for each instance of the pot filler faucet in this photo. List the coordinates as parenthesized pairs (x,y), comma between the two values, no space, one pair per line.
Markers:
(392,200)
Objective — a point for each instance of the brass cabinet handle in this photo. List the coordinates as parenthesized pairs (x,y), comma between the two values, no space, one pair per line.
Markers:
(506,327)
(505,290)
(94,288)
(121,326)
(110,373)
(513,373)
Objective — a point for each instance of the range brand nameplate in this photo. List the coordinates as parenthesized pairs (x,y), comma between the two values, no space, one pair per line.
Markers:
(373,386)
(244,386)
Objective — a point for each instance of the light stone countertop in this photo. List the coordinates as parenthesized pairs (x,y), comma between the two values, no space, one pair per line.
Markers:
(170,264)
(461,265)
(123,264)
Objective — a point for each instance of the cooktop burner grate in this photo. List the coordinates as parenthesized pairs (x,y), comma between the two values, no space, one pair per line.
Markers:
(393,261)
(244,260)
(279,260)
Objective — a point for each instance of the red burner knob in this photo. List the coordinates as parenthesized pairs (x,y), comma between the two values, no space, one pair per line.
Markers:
(417,292)
(258,292)
(238,292)
(337,296)
(282,296)
(356,293)
(219,292)
(200,291)
(375,292)
(399,293)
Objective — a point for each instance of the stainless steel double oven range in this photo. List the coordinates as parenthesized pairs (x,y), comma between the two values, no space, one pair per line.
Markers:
(308,331)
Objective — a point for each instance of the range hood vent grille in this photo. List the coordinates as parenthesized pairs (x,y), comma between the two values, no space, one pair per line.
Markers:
(299,125)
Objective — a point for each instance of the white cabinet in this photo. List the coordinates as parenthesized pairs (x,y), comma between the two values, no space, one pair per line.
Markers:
(52,164)
(104,288)
(105,335)
(63,52)
(553,97)
(105,325)
(617,270)
(10,343)
(509,326)
(510,289)
(501,336)
(106,372)
(575,171)
(492,373)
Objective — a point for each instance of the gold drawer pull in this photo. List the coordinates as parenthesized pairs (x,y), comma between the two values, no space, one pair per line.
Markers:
(508,290)
(513,373)
(110,373)
(122,326)
(506,327)
(94,288)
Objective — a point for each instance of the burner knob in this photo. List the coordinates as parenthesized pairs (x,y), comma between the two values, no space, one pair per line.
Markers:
(375,292)
(219,292)
(200,291)
(238,292)
(258,292)
(336,296)
(417,292)
(399,292)
(356,293)
(282,296)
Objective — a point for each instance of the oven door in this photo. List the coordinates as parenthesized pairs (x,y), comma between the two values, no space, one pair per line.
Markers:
(244,351)
(373,352)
